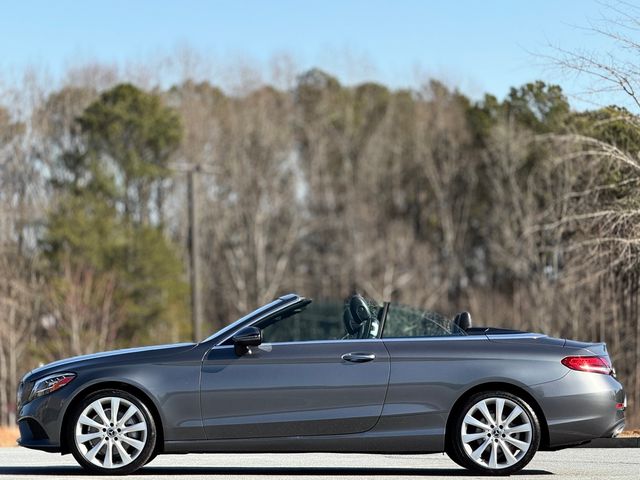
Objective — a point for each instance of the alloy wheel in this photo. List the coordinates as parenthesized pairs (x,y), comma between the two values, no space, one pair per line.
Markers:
(111,432)
(496,433)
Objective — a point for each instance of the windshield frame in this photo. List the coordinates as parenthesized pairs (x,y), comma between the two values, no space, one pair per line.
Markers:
(254,316)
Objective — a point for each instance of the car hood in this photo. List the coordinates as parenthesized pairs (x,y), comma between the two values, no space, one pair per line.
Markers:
(93,358)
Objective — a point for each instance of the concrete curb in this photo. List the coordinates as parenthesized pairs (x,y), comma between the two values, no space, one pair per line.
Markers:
(620,442)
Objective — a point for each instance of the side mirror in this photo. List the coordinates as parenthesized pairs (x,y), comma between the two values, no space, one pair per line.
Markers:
(246,338)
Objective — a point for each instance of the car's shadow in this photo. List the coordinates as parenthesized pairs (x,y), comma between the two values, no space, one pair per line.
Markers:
(259,471)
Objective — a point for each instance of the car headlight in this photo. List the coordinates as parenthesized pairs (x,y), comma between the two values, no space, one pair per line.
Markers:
(50,384)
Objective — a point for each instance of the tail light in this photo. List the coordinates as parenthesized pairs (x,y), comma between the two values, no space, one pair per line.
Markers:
(589,364)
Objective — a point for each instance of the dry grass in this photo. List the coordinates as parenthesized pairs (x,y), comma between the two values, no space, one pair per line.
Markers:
(630,433)
(8,436)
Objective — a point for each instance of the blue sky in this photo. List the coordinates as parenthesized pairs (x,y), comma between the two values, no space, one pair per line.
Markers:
(476,45)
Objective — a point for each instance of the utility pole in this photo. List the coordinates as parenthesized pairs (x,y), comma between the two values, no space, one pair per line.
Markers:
(194,254)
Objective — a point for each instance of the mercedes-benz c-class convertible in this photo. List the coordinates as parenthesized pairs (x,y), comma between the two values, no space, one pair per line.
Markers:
(296,376)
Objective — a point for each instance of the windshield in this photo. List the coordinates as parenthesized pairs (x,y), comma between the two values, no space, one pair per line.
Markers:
(403,321)
(320,321)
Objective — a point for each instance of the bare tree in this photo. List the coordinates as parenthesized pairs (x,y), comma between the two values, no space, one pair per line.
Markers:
(83,317)
(18,307)
(601,211)
(22,201)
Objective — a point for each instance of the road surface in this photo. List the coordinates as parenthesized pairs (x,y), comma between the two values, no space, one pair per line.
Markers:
(582,464)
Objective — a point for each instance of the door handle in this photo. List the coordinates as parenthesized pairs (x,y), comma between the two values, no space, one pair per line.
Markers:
(357,357)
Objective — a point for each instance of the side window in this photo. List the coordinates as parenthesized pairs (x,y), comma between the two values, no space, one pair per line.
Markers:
(317,321)
(403,322)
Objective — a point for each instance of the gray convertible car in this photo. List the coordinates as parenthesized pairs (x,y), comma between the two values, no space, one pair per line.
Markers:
(294,376)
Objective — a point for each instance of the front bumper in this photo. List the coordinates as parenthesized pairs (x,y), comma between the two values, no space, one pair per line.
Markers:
(40,420)
(32,435)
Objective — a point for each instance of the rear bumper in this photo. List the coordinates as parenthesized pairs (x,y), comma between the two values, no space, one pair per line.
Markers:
(581,406)
(615,430)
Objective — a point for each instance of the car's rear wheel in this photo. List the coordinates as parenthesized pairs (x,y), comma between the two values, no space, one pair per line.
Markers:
(495,433)
(111,432)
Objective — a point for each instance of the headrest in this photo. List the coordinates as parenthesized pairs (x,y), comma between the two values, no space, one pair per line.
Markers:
(463,321)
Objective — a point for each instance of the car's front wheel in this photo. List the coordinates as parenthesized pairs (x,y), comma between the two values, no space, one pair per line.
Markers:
(496,433)
(111,432)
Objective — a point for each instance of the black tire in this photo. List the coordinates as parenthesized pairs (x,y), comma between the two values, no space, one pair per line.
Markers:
(460,452)
(152,457)
(144,454)
(451,452)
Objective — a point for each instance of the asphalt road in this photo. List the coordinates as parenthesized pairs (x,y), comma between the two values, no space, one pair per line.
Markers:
(583,464)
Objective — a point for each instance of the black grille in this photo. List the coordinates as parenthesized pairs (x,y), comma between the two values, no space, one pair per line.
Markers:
(24,389)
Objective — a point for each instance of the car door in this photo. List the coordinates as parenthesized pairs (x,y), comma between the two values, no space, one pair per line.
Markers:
(294,388)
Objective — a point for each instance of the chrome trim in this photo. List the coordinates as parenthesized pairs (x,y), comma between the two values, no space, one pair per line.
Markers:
(345,340)
(514,336)
(358,357)
(482,336)
(438,338)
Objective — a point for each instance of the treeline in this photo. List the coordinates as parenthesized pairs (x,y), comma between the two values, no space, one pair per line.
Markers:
(519,210)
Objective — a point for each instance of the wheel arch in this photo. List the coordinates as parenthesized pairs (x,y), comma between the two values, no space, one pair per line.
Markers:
(506,387)
(119,385)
